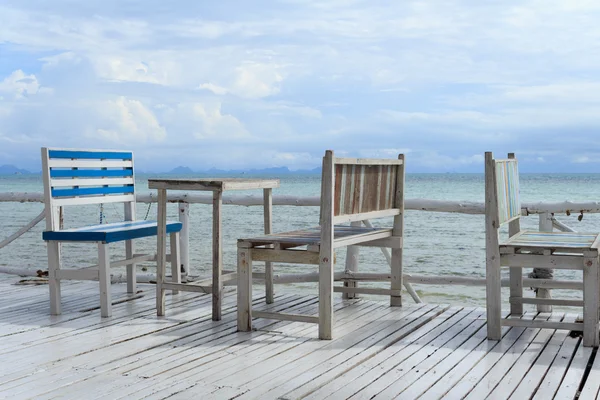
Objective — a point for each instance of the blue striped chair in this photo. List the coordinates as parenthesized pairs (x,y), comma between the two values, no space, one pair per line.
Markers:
(83,177)
(528,249)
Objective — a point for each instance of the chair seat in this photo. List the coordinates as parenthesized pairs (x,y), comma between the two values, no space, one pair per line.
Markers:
(312,236)
(570,241)
(109,233)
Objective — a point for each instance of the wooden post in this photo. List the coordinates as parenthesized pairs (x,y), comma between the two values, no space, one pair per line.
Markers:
(184,239)
(398,231)
(352,254)
(129,211)
(244,292)
(591,300)
(540,293)
(104,278)
(161,250)
(268,217)
(326,253)
(217,251)
(175,260)
(492,253)
(515,274)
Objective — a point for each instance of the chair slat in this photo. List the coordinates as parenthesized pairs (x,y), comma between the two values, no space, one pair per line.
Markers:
(92,191)
(507,190)
(68,163)
(91,155)
(90,182)
(89,173)
(361,188)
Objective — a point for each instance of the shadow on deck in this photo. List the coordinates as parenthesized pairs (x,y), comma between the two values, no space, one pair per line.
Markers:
(417,351)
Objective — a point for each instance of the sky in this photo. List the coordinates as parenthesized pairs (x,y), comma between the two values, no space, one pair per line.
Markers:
(254,84)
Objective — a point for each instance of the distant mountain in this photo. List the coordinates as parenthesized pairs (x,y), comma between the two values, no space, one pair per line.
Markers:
(12,170)
(181,170)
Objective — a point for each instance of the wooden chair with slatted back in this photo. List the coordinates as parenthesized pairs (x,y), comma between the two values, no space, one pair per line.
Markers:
(83,177)
(528,249)
(351,190)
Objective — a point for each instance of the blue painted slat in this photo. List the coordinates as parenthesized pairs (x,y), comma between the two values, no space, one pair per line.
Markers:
(89,173)
(91,155)
(109,236)
(92,191)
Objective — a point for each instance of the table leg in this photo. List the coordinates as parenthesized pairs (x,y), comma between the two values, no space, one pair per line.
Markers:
(268,213)
(217,250)
(161,251)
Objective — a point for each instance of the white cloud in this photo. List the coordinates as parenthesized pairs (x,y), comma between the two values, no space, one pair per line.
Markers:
(128,121)
(215,124)
(19,85)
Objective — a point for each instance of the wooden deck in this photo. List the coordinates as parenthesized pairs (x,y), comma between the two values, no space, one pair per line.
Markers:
(425,351)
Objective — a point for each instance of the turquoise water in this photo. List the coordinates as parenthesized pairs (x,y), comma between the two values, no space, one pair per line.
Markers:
(435,243)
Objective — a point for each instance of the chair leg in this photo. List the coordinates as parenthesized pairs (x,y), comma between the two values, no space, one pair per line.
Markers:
(269,293)
(516,290)
(396,282)
(131,268)
(104,278)
(244,290)
(53,280)
(175,260)
(326,257)
(591,301)
(493,295)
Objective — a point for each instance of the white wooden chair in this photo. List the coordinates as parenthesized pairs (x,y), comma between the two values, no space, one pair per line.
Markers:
(351,190)
(528,249)
(78,177)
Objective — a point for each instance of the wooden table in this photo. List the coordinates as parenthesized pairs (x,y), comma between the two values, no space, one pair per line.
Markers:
(217,186)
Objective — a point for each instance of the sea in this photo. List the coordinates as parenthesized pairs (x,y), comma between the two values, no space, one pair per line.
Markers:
(435,243)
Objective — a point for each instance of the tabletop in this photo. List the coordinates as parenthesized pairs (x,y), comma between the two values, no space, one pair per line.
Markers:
(212,184)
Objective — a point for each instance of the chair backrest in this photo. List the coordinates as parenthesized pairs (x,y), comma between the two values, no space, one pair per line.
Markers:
(355,189)
(502,189)
(78,176)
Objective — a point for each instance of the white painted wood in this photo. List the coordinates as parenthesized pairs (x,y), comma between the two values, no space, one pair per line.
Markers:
(161,250)
(516,274)
(591,389)
(492,259)
(104,278)
(341,219)
(67,163)
(352,254)
(358,238)
(545,225)
(213,184)
(78,274)
(553,302)
(569,386)
(91,182)
(53,278)
(429,205)
(364,290)
(532,261)
(285,317)
(326,253)
(286,256)
(244,292)
(184,238)
(591,298)
(175,259)
(69,201)
(396,261)
(392,242)
(129,215)
(574,326)
(268,228)
(217,255)
(367,161)
(542,365)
